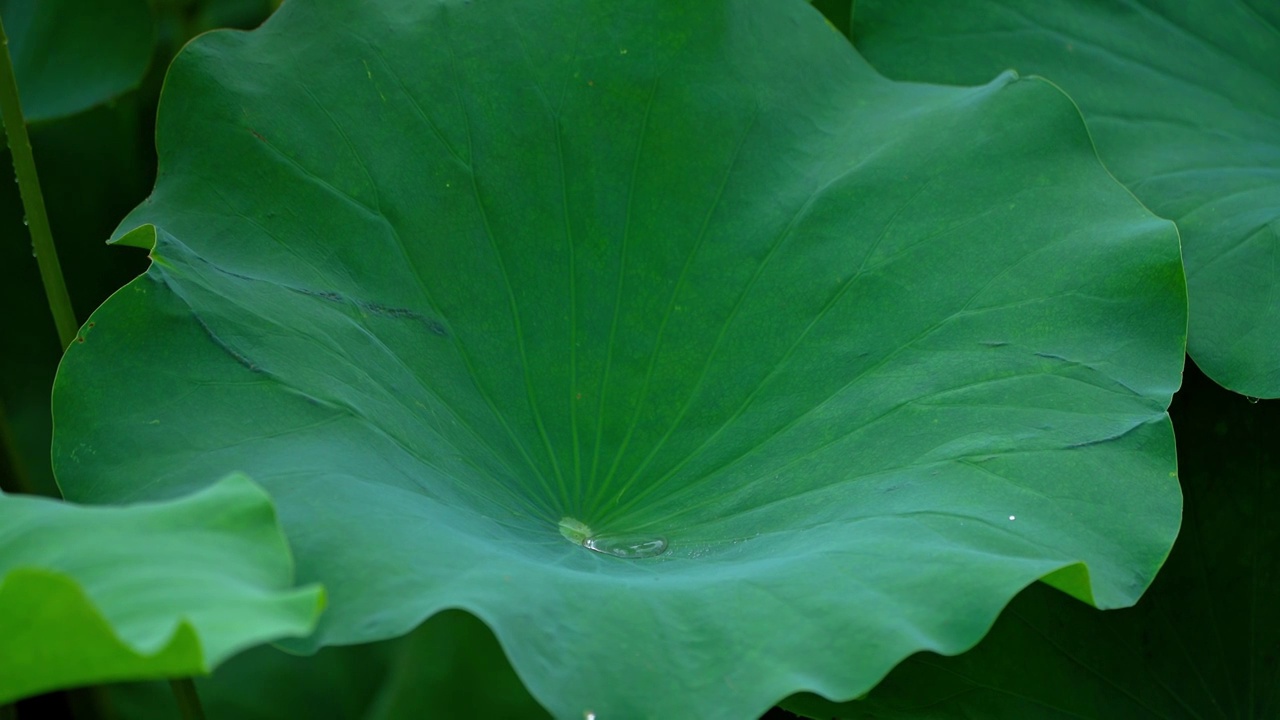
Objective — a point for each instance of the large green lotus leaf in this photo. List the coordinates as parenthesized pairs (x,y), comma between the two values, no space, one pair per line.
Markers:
(69,55)
(450,666)
(825,367)
(151,590)
(1204,642)
(1183,100)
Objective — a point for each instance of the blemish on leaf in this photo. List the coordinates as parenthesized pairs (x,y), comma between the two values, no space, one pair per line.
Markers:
(392,312)
(329,295)
(225,347)
(434,326)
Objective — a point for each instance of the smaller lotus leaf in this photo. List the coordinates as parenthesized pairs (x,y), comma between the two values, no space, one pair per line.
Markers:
(69,55)
(696,359)
(171,589)
(1183,99)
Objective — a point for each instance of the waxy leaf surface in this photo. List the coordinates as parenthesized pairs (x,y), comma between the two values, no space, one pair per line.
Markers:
(89,595)
(1183,100)
(825,367)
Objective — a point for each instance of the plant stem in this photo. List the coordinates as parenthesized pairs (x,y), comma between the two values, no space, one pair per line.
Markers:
(184,691)
(24,165)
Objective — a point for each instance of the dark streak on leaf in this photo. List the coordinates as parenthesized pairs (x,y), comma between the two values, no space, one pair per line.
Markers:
(322,294)
(1110,438)
(223,344)
(435,326)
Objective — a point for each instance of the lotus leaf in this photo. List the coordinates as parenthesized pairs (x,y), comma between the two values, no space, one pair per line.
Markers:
(1183,100)
(699,361)
(69,55)
(152,590)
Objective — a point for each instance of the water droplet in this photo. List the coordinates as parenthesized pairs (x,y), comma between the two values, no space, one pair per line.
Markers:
(24,222)
(631,547)
(628,546)
(1013,517)
(1252,400)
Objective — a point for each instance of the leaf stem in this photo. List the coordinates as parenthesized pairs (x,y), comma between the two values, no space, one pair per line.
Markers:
(184,691)
(24,166)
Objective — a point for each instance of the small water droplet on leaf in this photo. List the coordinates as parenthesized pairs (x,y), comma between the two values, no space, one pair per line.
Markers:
(632,547)
(628,546)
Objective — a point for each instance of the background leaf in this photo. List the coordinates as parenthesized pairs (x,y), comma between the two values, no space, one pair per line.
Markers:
(95,594)
(70,55)
(852,361)
(1183,100)
(450,666)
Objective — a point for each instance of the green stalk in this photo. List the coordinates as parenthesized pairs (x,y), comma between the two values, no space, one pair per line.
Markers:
(184,691)
(24,164)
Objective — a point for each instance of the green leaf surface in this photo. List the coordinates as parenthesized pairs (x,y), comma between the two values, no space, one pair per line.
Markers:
(826,367)
(1183,100)
(1204,642)
(69,55)
(89,595)
(450,666)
